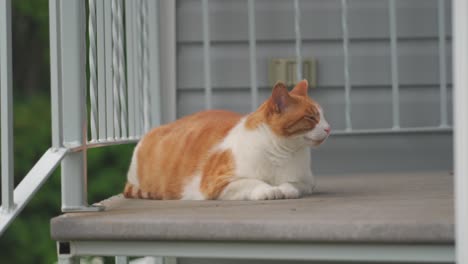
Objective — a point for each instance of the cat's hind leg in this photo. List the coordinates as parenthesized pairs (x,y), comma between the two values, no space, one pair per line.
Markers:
(132,188)
(217,172)
(218,181)
(133,191)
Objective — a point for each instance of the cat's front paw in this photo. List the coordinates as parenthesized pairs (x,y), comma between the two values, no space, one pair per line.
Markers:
(289,191)
(266,192)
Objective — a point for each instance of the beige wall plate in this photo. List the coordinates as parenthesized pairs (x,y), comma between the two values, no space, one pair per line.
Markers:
(281,69)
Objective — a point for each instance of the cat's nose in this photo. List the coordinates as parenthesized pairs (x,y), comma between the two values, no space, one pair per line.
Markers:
(328,129)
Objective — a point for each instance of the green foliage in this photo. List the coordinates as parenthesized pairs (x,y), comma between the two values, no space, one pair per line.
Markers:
(37,12)
(28,240)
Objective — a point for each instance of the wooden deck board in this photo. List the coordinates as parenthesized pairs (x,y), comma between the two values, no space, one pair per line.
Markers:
(395,208)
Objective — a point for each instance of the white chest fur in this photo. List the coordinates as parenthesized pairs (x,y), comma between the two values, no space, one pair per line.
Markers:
(260,154)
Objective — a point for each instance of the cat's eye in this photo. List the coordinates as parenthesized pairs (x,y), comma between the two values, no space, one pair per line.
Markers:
(311,118)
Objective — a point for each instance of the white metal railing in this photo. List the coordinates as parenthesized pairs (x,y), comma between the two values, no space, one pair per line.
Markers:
(395,126)
(394,56)
(121,108)
(442,63)
(297,31)
(206,55)
(120,95)
(347,86)
(14,199)
(252,55)
(460,110)
(6,106)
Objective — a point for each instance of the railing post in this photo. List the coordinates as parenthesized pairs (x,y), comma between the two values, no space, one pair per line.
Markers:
(394,64)
(6,106)
(168,73)
(55,74)
(154,63)
(347,81)
(252,55)
(460,133)
(442,64)
(73,55)
(207,54)
(297,31)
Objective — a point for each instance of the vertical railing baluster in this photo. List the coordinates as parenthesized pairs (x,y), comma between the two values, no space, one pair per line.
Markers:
(141,117)
(140,113)
(344,25)
(55,73)
(145,66)
(92,69)
(108,67)
(101,70)
(121,260)
(297,31)
(154,78)
(121,70)
(115,69)
(137,69)
(130,48)
(252,54)
(206,54)
(460,110)
(394,65)
(442,64)
(6,95)
(168,55)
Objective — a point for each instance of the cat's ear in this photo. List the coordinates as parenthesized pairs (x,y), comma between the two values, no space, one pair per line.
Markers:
(280,97)
(301,88)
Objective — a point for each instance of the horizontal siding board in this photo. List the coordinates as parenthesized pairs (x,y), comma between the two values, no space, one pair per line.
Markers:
(371,103)
(416,110)
(321,19)
(370,63)
(370,70)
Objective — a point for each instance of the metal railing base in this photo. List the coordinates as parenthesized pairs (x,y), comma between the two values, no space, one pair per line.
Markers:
(79,209)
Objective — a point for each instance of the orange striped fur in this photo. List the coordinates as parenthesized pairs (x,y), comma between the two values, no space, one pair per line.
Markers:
(196,157)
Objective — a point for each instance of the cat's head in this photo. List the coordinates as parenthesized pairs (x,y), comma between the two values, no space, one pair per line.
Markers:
(294,114)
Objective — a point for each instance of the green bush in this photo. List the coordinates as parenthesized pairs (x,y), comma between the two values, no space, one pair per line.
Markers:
(28,240)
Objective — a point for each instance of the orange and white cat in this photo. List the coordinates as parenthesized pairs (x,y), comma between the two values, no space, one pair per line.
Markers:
(222,155)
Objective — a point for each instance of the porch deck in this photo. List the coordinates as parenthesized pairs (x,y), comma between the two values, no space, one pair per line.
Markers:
(389,208)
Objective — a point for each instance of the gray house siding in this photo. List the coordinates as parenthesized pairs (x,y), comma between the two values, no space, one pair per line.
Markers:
(370,73)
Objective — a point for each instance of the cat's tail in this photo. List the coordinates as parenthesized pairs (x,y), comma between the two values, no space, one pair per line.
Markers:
(132,188)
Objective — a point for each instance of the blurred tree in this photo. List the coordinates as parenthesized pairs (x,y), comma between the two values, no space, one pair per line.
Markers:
(30,30)
(28,240)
